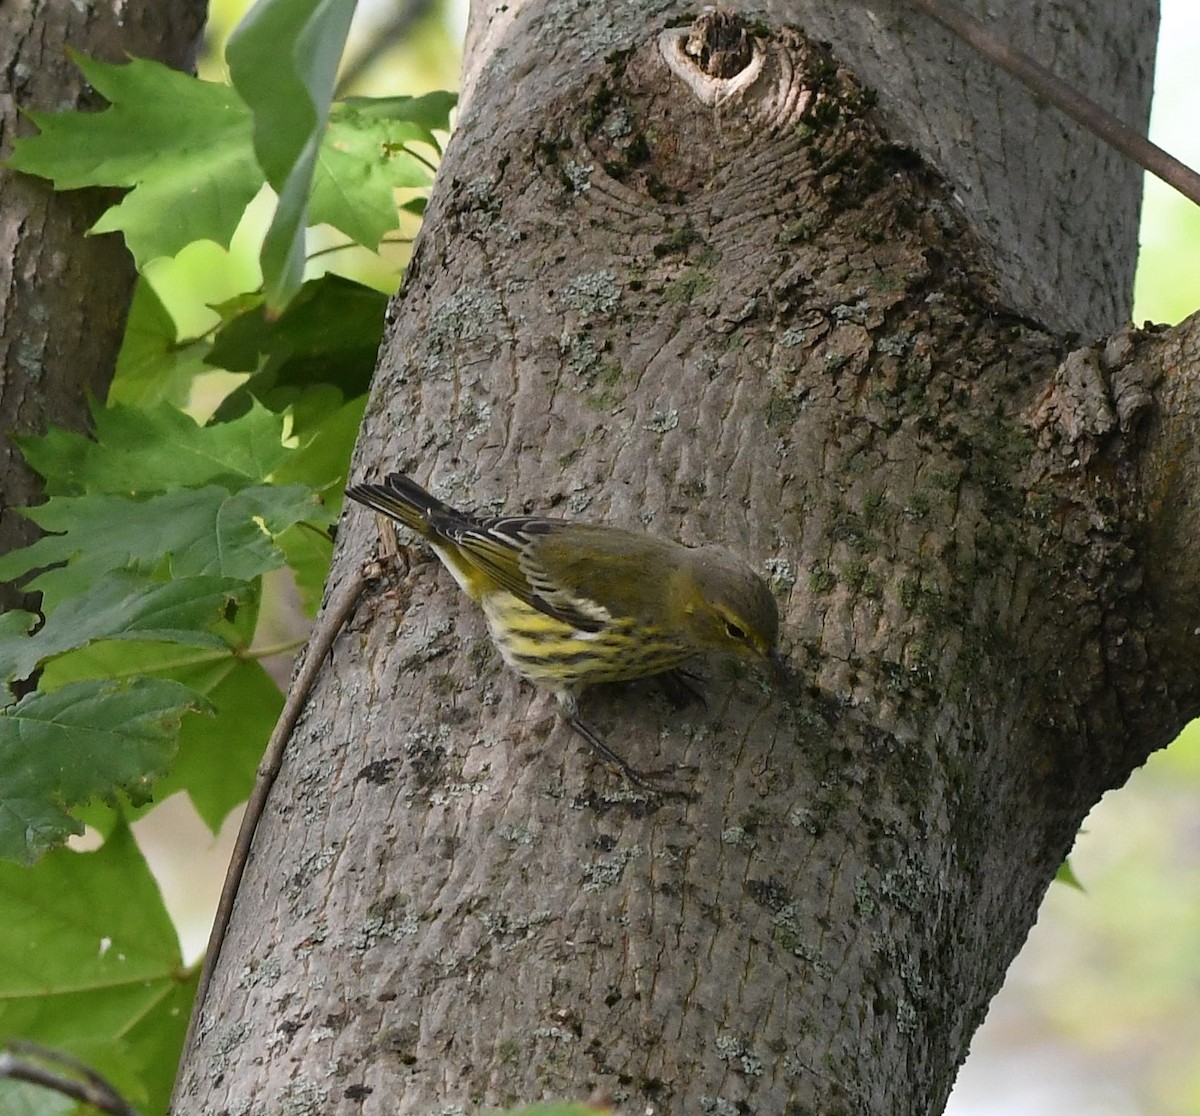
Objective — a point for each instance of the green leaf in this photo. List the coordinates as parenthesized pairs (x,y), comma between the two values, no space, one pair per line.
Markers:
(290,102)
(323,461)
(244,333)
(137,450)
(154,1040)
(16,624)
(1066,875)
(153,366)
(329,334)
(87,740)
(430,112)
(199,532)
(19,1099)
(90,965)
(184,145)
(284,245)
(362,161)
(123,606)
(308,557)
(219,756)
(197,668)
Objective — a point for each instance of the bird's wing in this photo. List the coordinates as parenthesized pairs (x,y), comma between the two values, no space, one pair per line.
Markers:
(605,571)
(505,549)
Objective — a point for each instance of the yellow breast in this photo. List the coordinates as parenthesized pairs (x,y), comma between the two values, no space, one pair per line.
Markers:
(562,658)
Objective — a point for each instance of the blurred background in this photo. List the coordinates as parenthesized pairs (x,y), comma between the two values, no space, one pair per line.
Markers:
(1100,1015)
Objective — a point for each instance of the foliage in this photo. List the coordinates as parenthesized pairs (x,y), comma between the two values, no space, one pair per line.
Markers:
(185,148)
(98,979)
(141,676)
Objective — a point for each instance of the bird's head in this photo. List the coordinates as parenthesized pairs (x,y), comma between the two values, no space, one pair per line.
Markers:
(730,608)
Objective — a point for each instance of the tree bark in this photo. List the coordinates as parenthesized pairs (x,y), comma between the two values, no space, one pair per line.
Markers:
(707,291)
(1068,260)
(63,294)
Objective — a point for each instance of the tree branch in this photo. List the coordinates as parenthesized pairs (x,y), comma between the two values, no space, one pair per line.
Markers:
(1035,77)
(89,1088)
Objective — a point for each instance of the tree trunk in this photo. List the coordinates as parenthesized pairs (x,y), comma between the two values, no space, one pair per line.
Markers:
(727,308)
(63,294)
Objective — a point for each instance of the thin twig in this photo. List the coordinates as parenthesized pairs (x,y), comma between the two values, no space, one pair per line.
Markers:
(89,1088)
(329,624)
(1045,84)
(430,166)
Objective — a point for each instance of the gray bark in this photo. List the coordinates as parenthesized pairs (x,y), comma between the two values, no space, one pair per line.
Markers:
(1066,261)
(762,322)
(63,294)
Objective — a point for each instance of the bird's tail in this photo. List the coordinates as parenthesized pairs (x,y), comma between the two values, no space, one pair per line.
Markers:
(402,498)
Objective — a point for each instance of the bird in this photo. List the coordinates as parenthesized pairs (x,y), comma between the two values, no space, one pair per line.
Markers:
(571,604)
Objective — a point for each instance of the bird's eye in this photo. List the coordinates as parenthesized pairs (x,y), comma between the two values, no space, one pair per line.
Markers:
(733,631)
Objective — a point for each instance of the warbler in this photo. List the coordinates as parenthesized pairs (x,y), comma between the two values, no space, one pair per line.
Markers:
(571,604)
